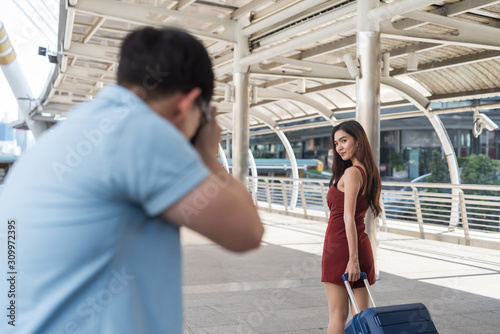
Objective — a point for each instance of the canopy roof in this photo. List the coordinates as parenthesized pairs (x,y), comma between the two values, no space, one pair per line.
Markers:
(296,51)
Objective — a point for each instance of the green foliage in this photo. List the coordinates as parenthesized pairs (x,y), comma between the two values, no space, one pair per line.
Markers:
(481,169)
(462,161)
(438,167)
(264,155)
(398,162)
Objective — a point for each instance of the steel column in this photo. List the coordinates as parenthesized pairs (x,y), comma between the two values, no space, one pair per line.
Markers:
(241,130)
(368,96)
(18,83)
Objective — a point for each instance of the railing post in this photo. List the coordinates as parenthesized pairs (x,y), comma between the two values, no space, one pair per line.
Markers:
(285,199)
(418,209)
(465,220)
(325,203)
(269,199)
(384,217)
(304,204)
(253,188)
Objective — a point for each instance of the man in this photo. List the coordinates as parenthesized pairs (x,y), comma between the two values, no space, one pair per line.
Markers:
(98,202)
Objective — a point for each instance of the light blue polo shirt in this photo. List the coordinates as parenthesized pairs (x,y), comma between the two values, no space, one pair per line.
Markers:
(92,254)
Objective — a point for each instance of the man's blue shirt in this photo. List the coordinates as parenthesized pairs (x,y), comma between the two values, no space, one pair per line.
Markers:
(92,253)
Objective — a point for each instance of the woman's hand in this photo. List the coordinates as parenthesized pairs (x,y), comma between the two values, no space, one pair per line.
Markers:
(353,270)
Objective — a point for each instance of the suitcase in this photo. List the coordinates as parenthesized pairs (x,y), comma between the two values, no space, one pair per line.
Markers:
(396,319)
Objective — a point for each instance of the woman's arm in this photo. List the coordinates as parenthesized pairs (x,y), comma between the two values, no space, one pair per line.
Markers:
(353,181)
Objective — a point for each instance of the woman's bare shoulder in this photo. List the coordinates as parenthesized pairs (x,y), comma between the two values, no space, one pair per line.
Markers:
(352,173)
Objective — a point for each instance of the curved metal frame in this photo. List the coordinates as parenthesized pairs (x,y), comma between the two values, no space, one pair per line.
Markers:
(286,144)
(283,95)
(223,157)
(422,103)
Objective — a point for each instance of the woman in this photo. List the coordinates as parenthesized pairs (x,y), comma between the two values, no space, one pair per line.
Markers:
(355,186)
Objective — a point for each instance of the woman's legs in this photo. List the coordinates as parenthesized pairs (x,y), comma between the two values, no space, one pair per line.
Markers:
(338,307)
(362,299)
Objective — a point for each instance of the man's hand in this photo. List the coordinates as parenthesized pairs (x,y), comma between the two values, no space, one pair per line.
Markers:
(208,139)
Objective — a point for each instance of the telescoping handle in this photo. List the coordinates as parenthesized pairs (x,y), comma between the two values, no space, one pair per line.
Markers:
(345,277)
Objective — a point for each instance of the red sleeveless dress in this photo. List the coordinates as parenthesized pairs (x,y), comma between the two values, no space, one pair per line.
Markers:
(335,248)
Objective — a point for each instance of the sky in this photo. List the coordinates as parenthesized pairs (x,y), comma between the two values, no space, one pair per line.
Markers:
(26,38)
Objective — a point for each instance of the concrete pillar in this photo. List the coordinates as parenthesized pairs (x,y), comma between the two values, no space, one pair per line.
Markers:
(241,131)
(368,96)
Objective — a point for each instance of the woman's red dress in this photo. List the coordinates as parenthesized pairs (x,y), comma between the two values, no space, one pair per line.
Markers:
(335,248)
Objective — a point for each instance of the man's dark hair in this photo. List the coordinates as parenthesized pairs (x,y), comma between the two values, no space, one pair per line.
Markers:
(165,61)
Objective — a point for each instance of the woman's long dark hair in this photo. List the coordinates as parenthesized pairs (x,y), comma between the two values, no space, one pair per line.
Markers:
(365,156)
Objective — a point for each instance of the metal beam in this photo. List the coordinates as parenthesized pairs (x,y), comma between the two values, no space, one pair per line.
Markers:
(272,9)
(403,51)
(485,13)
(331,71)
(302,22)
(138,14)
(89,78)
(476,93)
(451,62)
(468,5)
(334,73)
(96,52)
(449,10)
(183,4)
(264,118)
(329,47)
(223,60)
(68,32)
(77,88)
(92,72)
(470,34)
(248,8)
(323,111)
(65,100)
(93,30)
(299,42)
(280,16)
(378,14)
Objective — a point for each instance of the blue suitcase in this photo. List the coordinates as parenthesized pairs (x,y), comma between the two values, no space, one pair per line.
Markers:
(396,319)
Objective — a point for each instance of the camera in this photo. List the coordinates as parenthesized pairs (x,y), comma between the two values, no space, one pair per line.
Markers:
(481,121)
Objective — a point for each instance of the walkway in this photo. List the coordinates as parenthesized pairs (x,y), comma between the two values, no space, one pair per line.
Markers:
(277,288)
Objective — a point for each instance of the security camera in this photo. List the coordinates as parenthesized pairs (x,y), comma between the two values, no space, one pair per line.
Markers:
(481,121)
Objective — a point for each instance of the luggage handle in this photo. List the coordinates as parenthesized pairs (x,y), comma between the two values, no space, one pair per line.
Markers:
(351,295)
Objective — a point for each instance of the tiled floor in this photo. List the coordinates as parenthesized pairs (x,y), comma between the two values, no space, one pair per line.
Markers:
(277,288)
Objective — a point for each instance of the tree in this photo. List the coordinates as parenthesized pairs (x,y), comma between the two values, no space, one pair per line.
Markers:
(438,167)
(481,169)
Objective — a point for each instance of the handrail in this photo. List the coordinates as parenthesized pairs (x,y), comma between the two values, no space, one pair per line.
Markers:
(424,208)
